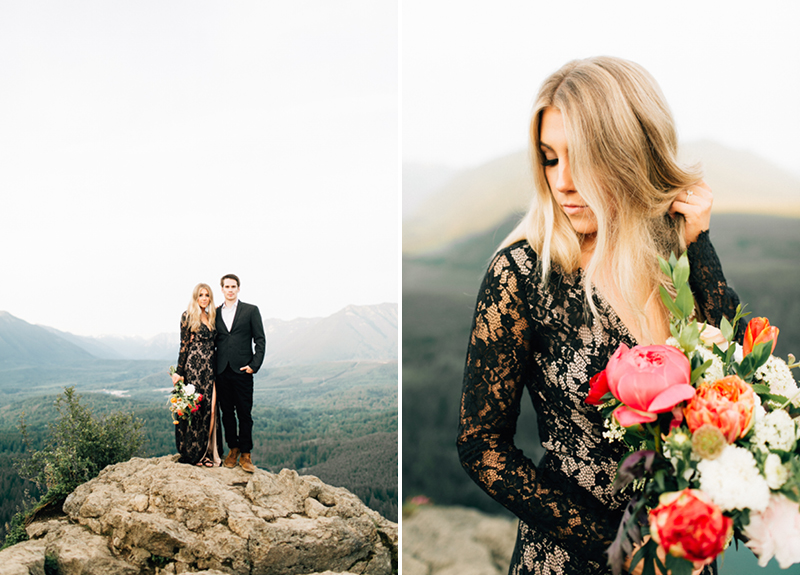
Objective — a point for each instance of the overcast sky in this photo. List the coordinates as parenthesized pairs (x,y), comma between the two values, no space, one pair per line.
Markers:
(470,70)
(147,146)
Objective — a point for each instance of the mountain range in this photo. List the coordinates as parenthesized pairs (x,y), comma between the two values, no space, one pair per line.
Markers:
(353,333)
(480,199)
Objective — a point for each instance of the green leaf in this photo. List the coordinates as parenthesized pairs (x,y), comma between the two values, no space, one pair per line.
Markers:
(680,272)
(685,300)
(678,565)
(760,388)
(665,267)
(779,399)
(755,359)
(673,261)
(726,328)
(761,352)
(669,303)
(689,336)
(700,370)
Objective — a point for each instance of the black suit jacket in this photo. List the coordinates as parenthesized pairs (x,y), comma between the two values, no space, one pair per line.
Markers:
(235,347)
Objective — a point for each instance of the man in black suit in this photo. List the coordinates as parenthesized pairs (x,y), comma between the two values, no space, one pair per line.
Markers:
(238,328)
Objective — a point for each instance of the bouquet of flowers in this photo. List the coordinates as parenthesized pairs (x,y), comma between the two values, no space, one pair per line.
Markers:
(184,401)
(713,440)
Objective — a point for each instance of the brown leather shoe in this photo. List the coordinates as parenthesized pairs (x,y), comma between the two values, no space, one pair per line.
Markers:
(232,458)
(246,464)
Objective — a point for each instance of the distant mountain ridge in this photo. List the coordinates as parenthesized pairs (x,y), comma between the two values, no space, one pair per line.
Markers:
(354,333)
(22,343)
(480,199)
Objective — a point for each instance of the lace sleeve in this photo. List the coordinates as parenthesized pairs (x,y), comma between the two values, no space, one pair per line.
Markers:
(186,337)
(714,297)
(498,359)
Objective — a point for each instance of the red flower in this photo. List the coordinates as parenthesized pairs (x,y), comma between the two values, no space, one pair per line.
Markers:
(195,408)
(687,524)
(598,387)
(648,380)
(728,404)
(759,331)
(199,397)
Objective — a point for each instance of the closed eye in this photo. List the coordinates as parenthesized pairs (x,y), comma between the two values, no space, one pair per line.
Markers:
(549,163)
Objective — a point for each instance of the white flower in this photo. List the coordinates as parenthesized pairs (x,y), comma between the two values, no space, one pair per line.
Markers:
(779,378)
(776,532)
(775,472)
(189,389)
(775,431)
(716,370)
(733,481)
(614,431)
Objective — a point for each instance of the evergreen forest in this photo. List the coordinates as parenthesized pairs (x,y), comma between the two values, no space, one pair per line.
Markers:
(337,421)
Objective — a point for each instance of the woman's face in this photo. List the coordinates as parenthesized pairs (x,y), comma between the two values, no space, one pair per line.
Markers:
(203,298)
(553,146)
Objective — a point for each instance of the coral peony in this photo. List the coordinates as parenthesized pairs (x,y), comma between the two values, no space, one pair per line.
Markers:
(687,524)
(776,532)
(759,331)
(728,404)
(648,380)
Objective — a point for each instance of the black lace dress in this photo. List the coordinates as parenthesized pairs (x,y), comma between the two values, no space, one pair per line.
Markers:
(196,365)
(542,337)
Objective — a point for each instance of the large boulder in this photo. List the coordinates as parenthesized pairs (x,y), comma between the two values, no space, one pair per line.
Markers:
(159,516)
(456,541)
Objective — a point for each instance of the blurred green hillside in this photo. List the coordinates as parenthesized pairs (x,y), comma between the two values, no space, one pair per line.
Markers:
(761,259)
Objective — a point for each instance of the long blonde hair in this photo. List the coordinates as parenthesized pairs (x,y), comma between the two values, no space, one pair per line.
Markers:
(622,148)
(193,311)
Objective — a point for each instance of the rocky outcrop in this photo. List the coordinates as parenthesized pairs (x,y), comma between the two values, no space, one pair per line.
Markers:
(456,541)
(158,516)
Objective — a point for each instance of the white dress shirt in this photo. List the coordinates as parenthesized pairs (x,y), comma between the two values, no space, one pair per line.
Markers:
(228,313)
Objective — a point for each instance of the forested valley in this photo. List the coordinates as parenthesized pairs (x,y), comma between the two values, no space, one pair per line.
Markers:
(346,435)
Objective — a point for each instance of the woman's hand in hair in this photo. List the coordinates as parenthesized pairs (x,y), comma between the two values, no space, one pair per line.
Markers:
(694,204)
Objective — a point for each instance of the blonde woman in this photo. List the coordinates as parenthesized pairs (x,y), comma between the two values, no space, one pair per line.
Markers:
(199,443)
(575,279)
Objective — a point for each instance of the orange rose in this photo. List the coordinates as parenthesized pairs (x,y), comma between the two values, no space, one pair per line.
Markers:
(728,404)
(759,331)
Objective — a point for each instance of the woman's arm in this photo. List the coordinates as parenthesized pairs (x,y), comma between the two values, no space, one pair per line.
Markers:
(183,354)
(713,296)
(498,363)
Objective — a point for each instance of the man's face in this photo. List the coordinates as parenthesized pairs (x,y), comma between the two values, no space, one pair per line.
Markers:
(230,290)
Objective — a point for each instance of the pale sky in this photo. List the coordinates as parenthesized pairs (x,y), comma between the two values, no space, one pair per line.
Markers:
(470,70)
(147,146)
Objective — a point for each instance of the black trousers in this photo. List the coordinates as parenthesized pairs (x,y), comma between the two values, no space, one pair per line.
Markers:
(235,390)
